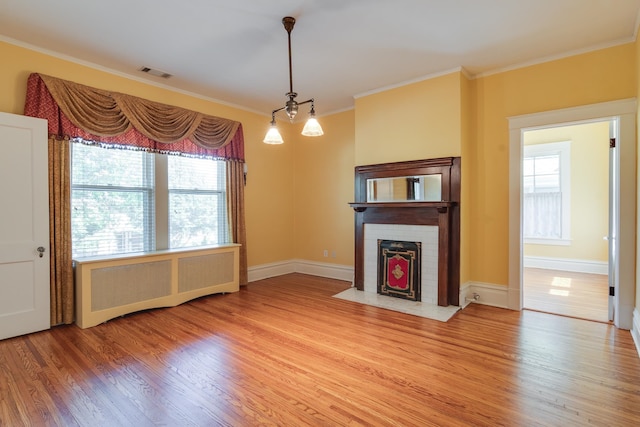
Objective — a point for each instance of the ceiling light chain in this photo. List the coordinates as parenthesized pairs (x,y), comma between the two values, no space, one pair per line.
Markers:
(312,127)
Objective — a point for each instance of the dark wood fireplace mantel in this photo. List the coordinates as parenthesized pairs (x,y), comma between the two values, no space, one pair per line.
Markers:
(361,207)
(444,214)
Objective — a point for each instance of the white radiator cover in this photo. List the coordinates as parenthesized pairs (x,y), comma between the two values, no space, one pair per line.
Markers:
(110,287)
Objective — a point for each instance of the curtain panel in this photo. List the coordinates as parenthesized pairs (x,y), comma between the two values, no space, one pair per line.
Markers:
(61,270)
(542,215)
(235,209)
(76,111)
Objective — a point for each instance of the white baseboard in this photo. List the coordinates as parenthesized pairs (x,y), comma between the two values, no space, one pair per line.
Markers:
(264,271)
(566,264)
(635,330)
(488,294)
(331,271)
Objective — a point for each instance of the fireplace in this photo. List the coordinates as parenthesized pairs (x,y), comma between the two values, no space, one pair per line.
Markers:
(425,235)
(435,224)
(399,269)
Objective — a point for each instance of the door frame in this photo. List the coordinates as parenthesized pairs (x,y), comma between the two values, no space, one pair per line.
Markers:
(625,110)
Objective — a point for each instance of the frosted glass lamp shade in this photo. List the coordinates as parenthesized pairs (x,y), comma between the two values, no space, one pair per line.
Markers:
(273,136)
(312,128)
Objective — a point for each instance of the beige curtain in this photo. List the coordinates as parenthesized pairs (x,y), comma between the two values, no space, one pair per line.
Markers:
(62,291)
(235,207)
(105,113)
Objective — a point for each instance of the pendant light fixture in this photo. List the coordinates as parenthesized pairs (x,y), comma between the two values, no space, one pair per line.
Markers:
(312,127)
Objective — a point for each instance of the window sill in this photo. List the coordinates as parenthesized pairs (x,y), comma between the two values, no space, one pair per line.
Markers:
(132,255)
(550,242)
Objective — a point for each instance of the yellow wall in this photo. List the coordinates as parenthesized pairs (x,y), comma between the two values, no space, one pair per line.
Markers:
(467,126)
(417,121)
(269,192)
(589,191)
(598,76)
(324,171)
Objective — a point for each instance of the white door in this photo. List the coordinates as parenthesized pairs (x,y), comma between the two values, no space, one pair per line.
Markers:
(613,215)
(24,226)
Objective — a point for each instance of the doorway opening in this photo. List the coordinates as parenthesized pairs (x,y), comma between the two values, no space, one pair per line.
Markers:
(622,266)
(565,219)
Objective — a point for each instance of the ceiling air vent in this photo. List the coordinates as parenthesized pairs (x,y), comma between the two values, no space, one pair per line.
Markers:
(156,73)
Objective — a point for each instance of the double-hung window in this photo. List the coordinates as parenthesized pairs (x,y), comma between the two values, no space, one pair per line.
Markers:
(546,193)
(127,201)
(112,201)
(197,202)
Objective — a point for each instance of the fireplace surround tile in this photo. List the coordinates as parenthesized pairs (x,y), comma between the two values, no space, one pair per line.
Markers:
(427,235)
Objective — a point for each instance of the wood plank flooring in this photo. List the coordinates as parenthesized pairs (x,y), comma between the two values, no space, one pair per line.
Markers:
(567,293)
(283,352)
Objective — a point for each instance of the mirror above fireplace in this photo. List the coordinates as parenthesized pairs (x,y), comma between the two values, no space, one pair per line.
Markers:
(415,188)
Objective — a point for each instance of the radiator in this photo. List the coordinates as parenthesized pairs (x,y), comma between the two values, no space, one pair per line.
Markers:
(110,287)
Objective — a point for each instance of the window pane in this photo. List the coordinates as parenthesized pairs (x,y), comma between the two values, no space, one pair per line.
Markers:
(107,222)
(112,201)
(194,219)
(94,165)
(547,165)
(197,202)
(195,174)
(547,183)
(527,166)
(528,184)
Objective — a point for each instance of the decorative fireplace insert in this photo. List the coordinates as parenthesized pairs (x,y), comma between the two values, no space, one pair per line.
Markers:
(399,269)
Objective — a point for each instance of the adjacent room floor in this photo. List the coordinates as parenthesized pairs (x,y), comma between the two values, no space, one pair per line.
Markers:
(566,293)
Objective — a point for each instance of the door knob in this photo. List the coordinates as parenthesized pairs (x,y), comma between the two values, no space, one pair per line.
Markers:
(40,251)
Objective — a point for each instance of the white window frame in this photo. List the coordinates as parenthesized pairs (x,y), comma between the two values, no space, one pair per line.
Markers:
(148,192)
(563,149)
(159,238)
(221,195)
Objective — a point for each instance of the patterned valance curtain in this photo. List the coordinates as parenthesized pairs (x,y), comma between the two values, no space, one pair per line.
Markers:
(77,111)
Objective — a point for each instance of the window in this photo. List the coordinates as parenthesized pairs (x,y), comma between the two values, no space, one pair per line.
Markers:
(129,201)
(197,202)
(546,189)
(112,195)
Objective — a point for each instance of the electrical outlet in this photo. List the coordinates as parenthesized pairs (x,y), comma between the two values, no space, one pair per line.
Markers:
(326,253)
(333,254)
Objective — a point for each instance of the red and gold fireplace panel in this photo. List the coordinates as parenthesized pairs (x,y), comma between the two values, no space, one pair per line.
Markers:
(399,269)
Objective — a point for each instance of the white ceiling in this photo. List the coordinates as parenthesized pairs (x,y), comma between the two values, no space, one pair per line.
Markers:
(236,51)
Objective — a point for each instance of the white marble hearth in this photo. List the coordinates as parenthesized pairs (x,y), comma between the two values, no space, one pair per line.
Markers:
(427,236)
(416,308)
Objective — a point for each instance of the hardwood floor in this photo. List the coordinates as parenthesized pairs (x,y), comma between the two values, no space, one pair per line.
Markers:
(567,293)
(284,352)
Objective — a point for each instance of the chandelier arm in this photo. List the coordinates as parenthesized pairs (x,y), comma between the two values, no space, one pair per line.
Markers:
(273,113)
(306,102)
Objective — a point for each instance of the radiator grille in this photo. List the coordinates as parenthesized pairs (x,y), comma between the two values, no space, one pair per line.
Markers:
(126,284)
(206,270)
